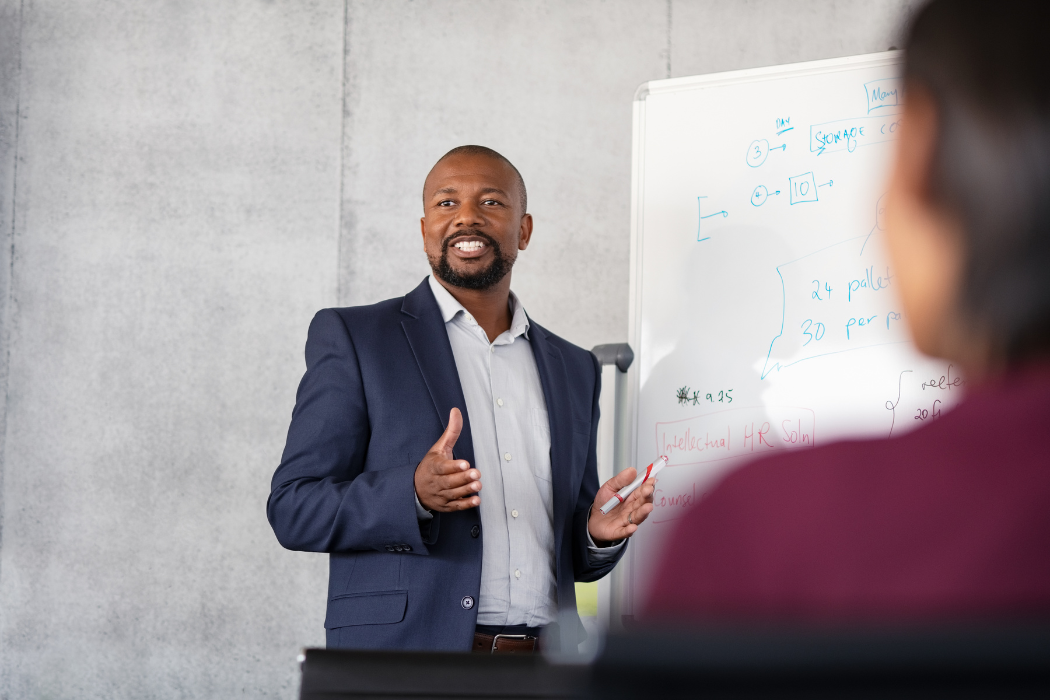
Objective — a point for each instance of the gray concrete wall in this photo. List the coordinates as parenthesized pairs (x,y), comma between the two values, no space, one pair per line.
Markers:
(713,36)
(182,185)
(174,229)
(548,84)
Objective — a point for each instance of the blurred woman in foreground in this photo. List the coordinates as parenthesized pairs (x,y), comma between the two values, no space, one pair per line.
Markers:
(951,521)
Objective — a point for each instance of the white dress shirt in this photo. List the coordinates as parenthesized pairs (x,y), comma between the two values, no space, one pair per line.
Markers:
(512,451)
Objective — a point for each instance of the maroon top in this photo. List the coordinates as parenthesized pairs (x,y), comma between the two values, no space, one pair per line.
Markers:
(949,521)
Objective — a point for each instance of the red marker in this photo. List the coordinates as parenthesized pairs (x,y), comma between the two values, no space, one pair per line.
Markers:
(621,495)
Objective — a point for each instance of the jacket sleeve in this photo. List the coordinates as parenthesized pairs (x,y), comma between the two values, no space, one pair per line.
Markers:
(583,569)
(321,499)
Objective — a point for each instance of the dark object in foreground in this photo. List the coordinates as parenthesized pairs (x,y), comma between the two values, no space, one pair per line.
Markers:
(990,662)
(1001,662)
(331,674)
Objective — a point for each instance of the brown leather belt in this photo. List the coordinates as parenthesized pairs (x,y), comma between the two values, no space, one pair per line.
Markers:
(504,644)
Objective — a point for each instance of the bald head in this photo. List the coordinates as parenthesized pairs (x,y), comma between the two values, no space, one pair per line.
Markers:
(485,152)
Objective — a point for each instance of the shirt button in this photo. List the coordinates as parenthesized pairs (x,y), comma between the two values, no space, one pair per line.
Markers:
(492,349)
(499,402)
(517,573)
(506,456)
(475,531)
(467,602)
(514,513)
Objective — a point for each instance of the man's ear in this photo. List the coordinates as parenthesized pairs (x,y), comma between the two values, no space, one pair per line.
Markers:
(526,232)
(423,230)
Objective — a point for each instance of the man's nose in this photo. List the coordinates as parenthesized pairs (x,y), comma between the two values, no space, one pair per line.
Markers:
(469,214)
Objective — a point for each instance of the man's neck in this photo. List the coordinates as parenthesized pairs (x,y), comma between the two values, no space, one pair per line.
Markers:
(489,307)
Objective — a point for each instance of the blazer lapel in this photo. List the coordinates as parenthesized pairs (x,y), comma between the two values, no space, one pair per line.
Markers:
(551,368)
(425,330)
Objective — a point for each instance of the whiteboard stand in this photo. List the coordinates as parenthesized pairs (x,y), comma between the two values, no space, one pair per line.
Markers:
(613,448)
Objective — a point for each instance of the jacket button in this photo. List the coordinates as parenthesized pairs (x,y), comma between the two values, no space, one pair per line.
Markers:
(408,548)
(467,602)
(390,548)
(475,531)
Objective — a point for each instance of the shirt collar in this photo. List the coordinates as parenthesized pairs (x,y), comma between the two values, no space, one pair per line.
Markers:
(450,307)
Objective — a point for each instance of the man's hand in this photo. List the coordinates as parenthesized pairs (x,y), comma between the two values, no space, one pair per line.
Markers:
(623,520)
(445,484)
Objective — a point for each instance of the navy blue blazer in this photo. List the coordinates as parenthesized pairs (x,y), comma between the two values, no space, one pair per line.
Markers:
(380,382)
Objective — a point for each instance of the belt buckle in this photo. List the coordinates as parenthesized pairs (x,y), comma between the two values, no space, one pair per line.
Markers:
(495,638)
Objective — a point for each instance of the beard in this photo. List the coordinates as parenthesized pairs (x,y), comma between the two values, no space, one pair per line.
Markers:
(476,279)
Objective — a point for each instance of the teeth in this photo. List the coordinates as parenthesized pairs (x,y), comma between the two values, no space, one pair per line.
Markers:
(468,246)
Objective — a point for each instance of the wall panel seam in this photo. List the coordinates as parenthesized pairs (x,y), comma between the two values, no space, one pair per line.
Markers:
(5,370)
(342,161)
(670,26)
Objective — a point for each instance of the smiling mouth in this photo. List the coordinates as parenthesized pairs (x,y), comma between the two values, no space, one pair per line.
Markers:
(469,246)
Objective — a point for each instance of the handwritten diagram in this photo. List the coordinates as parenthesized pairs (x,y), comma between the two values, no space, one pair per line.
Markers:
(759,149)
(803,188)
(922,397)
(849,134)
(700,228)
(760,194)
(884,94)
(834,301)
(783,311)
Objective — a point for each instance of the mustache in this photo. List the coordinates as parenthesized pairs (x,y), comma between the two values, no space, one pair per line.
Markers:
(468,233)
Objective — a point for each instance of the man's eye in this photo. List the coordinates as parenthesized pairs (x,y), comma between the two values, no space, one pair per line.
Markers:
(445,203)
(493,201)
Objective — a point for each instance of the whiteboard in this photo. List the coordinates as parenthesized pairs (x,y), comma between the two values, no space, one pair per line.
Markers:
(764,312)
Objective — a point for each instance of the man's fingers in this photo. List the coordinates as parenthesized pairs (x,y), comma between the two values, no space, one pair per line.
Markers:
(639,514)
(622,479)
(455,481)
(468,490)
(642,493)
(462,504)
(446,467)
(448,438)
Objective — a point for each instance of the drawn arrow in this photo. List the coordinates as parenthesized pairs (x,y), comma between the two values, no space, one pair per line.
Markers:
(781,147)
(820,149)
(784,131)
(830,183)
(777,192)
(699,230)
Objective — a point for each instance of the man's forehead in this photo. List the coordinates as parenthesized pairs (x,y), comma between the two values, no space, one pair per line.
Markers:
(470,171)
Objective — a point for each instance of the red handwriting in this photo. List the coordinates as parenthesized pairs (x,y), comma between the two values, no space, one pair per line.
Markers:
(693,443)
(679,500)
(673,506)
(794,434)
(757,439)
(734,432)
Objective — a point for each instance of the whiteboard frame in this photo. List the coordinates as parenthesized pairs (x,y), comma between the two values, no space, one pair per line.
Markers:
(662,87)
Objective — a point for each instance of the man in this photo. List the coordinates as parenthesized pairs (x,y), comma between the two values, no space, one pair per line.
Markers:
(411,406)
